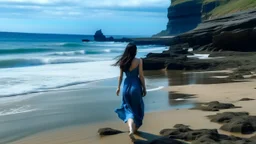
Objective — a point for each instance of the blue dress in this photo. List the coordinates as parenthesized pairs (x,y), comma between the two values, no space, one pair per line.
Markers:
(132,103)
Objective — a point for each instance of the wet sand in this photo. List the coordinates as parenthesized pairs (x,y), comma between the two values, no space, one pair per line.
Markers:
(71,117)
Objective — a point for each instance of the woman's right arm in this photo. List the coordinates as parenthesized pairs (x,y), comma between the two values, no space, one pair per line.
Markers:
(142,79)
(120,79)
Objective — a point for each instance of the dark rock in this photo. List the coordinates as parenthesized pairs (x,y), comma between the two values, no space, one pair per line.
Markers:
(165,140)
(110,39)
(85,40)
(182,128)
(253,138)
(236,76)
(214,106)
(153,64)
(184,133)
(151,41)
(188,65)
(238,39)
(99,36)
(206,139)
(226,116)
(239,122)
(246,99)
(179,128)
(158,55)
(204,136)
(239,125)
(108,131)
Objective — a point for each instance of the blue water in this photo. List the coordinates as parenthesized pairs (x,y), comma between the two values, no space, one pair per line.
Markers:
(39,62)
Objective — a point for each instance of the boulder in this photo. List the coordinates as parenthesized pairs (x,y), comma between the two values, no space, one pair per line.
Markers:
(238,122)
(226,116)
(108,131)
(243,125)
(214,106)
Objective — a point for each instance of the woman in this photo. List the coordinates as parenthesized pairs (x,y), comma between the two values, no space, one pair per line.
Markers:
(132,108)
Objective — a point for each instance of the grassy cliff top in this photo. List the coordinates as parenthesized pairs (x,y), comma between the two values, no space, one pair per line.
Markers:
(225,6)
(233,6)
(176,2)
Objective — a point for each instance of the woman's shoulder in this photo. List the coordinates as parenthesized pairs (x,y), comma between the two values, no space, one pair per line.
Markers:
(137,59)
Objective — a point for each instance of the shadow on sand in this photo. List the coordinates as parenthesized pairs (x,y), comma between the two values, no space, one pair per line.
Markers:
(146,136)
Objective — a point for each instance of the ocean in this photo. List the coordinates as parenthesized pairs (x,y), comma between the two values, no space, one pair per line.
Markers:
(31,63)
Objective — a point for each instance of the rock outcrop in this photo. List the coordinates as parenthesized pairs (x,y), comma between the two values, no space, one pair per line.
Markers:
(99,36)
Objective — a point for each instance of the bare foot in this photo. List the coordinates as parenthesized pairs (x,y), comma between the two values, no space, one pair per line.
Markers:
(131,135)
(136,131)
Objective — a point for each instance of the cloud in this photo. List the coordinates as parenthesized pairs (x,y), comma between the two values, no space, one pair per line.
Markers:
(93,3)
(81,8)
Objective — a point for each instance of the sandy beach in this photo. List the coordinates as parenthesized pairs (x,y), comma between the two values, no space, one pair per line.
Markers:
(157,120)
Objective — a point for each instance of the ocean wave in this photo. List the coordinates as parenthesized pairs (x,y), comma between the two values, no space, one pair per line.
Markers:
(11,63)
(86,52)
(148,49)
(24,50)
(72,45)
(69,53)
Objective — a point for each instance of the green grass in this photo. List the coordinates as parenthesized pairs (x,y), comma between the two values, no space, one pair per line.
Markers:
(233,6)
(176,2)
(208,1)
(226,6)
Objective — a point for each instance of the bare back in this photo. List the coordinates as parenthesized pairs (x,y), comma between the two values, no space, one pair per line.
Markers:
(135,64)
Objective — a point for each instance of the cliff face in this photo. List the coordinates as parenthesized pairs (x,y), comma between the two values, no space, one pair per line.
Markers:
(185,15)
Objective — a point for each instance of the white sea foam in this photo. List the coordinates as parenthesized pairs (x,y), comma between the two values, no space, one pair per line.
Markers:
(200,56)
(155,89)
(34,79)
(17,110)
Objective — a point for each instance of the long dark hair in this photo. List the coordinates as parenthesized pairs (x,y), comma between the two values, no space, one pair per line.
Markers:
(125,60)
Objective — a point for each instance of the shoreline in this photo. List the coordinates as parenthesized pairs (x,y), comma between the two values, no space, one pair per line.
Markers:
(156,121)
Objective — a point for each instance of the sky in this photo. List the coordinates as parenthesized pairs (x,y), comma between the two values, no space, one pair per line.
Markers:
(114,17)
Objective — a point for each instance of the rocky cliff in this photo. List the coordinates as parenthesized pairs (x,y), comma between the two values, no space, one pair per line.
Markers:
(185,15)
(235,33)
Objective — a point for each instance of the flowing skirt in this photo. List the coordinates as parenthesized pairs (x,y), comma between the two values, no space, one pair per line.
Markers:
(132,106)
